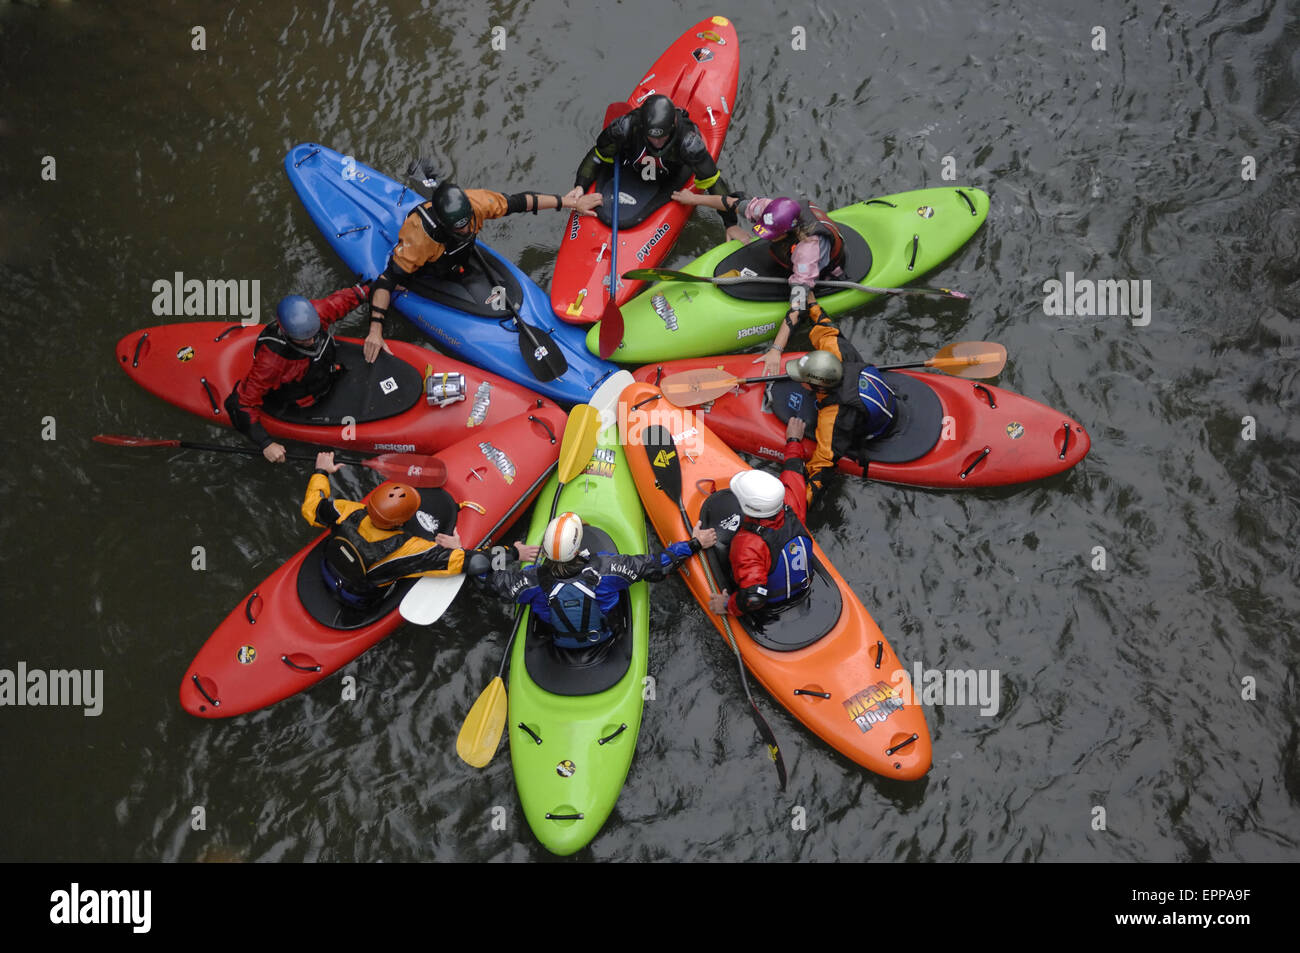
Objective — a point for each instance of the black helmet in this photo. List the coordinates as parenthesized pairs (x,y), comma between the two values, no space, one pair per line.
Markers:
(658,117)
(451,207)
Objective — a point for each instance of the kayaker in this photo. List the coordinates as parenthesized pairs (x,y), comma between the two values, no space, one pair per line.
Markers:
(437,239)
(293,363)
(575,591)
(804,241)
(854,404)
(368,550)
(770,553)
(661,143)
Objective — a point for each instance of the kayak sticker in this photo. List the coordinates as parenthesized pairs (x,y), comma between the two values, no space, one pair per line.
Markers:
(499,460)
(873,705)
(665,311)
(388,385)
(428,523)
(573,227)
(479,410)
(602,463)
(246,654)
(702,55)
(750,332)
(185,354)
(1015,430)
(731,523)
(565,769)
(664,458)
(925,211)
(396,447)
(644,251)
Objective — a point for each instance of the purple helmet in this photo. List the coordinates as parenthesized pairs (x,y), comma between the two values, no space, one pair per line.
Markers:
(778,218)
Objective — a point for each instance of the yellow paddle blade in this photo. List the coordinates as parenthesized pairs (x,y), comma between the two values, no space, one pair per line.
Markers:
(480,736)
(579,441)
(974,359)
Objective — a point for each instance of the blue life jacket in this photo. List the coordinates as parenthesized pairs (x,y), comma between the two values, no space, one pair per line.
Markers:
(877,400)
(576,616)
(790,550)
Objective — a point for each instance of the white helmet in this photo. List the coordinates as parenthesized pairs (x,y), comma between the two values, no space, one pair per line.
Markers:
(760,494)
(563,538)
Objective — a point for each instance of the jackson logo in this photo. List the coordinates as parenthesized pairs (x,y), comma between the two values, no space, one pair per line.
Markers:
(427,522)
(499,460)
(769,452)
(873,705)
(573,227)
(665,311)
(185,354)
(246,654)
(750,332)
(644,251)
(479,411)
(1015,430)
(664,458)
(396,447)
(602,463)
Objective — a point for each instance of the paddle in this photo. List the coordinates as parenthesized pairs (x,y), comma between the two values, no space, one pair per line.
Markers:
(415,468)
(662,452)
(480,735)
(611,319)
(431,596)
(542,356)
(975,360)
(665,274)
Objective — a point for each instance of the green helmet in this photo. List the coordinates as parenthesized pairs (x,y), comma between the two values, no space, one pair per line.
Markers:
(818,368)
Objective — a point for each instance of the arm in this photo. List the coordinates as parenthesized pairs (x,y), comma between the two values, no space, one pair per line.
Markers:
(318,508)
(333,307)
(608,145)
(750,562)
(267,373)
(792,470)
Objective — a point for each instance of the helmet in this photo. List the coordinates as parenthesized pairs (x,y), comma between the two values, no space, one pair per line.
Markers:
(779,216)
(563,537)
(818,368)
(760,494)
(658,117)
(392,504)
(878,400)
(452,208)
(298,318)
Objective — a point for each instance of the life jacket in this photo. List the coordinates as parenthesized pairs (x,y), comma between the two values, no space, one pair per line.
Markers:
(322,367)
(789,548)
(635,148)
(458,251)
(577,620)
(348,556)
(821,225)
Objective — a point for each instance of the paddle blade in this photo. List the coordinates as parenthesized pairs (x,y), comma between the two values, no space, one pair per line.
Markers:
(429,598)
(662,453)
(661,274)
(414,468)
(971,359)
(122,440)
(542,356)
(611,331)
(689,388)
(579,441)
(480,736)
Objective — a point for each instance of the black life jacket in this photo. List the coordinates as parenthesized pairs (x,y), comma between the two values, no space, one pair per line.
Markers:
(789,548)
(811,218)
(321,369)
(348,557)
(635,148)
(458,251)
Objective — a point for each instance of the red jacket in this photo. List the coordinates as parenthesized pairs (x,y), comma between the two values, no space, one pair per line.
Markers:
(751,563)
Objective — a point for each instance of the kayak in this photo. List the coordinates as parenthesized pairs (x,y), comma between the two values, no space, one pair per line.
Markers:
(360,213)
(889,242)
(699,73)
(290,632)
(823,658)
(574,715)
(196,365)
(951,432)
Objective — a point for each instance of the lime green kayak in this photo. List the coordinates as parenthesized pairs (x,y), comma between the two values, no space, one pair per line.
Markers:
(889,242)
(573,727)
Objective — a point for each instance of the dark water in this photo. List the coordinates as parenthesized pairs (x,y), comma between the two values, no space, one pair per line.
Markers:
(1120,689)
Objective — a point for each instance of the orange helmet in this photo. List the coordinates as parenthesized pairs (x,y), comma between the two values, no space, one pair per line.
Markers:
(392,504)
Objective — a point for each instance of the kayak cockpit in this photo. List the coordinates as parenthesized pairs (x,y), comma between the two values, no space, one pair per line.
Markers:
(364,392)
(472,292)
(757,257)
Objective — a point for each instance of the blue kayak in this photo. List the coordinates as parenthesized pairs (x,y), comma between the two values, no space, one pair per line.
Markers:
(360,212)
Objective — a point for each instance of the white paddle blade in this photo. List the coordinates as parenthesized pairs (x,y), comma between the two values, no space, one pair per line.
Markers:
(429,598)
(605,400)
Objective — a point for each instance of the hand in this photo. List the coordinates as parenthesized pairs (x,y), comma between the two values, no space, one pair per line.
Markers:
(737,234)
(718,602)
(526,553)
(274,452)
(448,542)
(586,203)
(707,537)
(794,429)
(686,197)
(325,461)
(374,344)
(573,195)
(771,361)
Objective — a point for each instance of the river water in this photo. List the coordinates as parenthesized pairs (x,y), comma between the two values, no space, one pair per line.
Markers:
(1147,710)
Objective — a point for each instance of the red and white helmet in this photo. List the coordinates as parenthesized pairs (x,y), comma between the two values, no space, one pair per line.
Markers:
(759,493)
(563,538)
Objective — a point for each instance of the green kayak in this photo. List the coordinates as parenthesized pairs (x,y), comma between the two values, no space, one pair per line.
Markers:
(889,242)
(573,720)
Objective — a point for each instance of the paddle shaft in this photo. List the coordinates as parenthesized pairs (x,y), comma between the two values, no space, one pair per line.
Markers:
(664,274)
(532,340)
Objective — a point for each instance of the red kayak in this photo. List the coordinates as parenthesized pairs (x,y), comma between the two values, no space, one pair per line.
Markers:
(196,365)
(290,632)
(698,73)
(951,432)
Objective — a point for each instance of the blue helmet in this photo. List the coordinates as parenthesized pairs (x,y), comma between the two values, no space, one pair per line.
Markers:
(298,318)
(878,400)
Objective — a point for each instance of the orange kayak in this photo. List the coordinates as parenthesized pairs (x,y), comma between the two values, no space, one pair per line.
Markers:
(824,659)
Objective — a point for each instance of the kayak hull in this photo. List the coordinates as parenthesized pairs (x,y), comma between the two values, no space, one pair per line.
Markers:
(1025,440)
(849,687)
(906,236)
(699,72)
